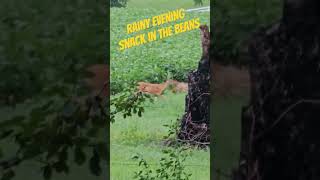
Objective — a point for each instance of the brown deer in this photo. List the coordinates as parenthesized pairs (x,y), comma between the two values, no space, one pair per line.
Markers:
(149,88)
(158,89)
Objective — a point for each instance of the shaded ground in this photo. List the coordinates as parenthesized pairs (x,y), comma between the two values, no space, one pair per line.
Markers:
(225,120)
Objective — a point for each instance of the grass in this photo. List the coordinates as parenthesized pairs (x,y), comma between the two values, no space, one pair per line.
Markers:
(226,123)
(145,136)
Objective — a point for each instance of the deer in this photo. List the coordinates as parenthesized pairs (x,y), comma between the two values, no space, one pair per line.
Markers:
(150,88)
(158,89)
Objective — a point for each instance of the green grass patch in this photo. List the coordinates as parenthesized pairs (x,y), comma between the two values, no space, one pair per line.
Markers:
(145,134)
(226,123)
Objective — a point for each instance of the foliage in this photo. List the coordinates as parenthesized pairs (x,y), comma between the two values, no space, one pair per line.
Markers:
(198,2)
(118,3)
(235,21)
(128,103)
(173,57)
(173,129)
(147,135)
(171,166)
(45,47)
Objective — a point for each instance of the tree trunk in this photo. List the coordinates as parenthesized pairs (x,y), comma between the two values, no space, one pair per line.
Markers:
(280,126)
(195,122)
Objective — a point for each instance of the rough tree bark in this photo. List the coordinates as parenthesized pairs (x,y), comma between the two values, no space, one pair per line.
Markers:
(195,122)
(280,126)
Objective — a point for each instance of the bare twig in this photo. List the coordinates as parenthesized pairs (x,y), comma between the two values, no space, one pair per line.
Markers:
(199,98)
(193,142)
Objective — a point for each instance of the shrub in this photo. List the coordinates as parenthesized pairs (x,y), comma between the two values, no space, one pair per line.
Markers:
(198,2)
(118,3)
(171,166)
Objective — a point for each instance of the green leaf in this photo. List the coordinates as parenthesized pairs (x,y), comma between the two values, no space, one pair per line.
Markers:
(135,157)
